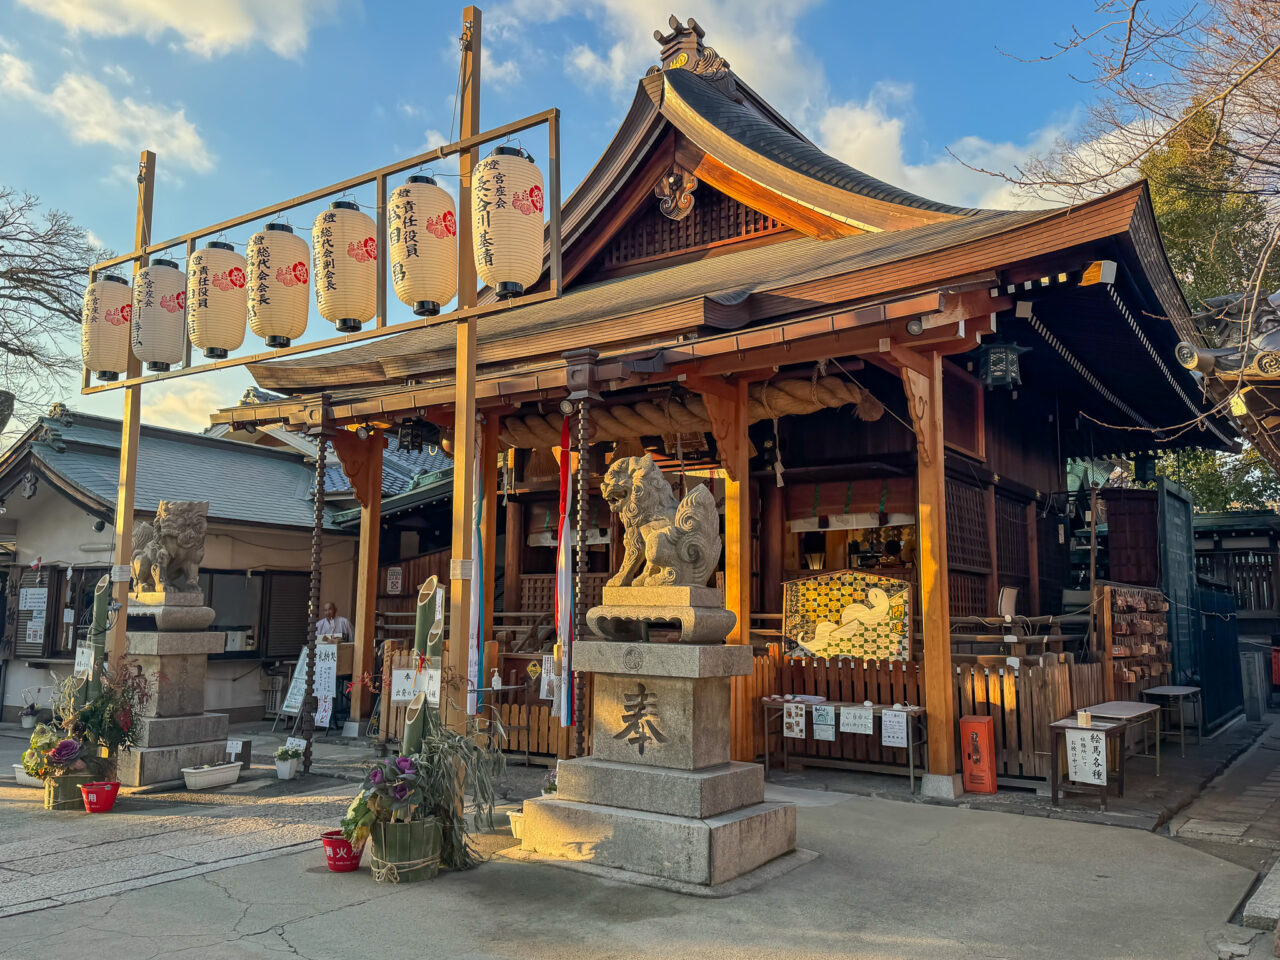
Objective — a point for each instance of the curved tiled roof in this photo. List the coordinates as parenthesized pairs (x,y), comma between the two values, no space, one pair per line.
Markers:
(760,135)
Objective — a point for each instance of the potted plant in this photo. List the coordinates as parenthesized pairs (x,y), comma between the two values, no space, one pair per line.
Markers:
(549,783)
(27,715)
(287,762)
(211,775)
(410,808)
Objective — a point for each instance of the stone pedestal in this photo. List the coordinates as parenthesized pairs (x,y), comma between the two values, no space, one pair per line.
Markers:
(173,729)
(627,613)
(659,796)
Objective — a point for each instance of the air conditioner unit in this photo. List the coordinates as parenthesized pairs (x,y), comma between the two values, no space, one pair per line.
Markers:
(269,682)
(274,700)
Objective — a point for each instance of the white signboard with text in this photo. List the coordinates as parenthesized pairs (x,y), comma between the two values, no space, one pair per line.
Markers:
(893,728)
(1087,756)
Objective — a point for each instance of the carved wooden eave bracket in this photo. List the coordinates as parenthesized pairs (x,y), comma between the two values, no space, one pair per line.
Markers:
(675,192)
(726,404)
(361,461)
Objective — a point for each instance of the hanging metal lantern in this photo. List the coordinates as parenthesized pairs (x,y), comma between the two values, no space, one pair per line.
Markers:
(998,364)
(104,327)
(507,205)
(345,248)
(279,295)
(216,299)
(423,245)
(159,314)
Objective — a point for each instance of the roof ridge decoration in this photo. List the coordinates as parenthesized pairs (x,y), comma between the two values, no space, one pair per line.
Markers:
(682,49)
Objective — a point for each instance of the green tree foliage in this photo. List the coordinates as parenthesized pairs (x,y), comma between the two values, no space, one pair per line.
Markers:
(1222,481)
(1213,222)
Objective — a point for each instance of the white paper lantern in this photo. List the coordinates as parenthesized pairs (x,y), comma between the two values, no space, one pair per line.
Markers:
(507,206)
(344,246)
(104,327)
(279,295)
(159,314)
(216,299)
(423,244)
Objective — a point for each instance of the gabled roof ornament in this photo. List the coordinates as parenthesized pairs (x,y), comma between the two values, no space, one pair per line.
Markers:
(682,49)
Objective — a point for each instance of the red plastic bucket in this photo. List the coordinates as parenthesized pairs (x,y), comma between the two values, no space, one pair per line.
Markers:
(339,853)
(100,797)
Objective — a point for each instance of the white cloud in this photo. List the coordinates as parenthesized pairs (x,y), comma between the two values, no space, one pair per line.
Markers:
(869,135)
(90,113)
(760,39)
(409,109)
(118,73)
(501,73)
(187,403)
(208,28)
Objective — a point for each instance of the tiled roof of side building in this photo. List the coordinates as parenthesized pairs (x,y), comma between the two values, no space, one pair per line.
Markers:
(242,482)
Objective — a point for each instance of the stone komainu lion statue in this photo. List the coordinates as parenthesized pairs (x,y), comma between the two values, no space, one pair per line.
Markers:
(168,553)
(665,543)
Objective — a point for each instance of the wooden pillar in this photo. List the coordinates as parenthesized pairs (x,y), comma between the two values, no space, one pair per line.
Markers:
(993,550)
(1033,559)
(367,581)
(727,408)
(773,531)
(513,555)
(454,660)
(130,422)
(922,379)
(489,529)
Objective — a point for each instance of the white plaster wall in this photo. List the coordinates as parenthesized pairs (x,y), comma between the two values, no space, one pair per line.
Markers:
(53,527)
(234,685)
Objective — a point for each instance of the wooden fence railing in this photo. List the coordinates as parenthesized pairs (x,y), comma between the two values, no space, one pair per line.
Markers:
(1022,703)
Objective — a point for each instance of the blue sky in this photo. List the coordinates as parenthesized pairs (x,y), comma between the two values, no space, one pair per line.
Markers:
(249,102)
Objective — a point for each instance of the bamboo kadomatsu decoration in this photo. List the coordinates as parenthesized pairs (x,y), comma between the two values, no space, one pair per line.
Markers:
(104,327)
(766,401)
(428,634)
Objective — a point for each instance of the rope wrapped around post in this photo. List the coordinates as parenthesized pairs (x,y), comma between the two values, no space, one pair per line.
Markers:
(766,401)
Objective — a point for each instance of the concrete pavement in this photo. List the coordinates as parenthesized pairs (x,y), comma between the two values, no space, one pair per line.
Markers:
(894,880)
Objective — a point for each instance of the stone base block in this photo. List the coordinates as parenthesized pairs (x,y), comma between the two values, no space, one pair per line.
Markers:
(680,793)
(174,731)
(941,786)
(630,622)
(169,618)
(169,643)
(662,659)
(143,765)
(176,684)
(663,596)
(677,722)
(706,851)
(170,598)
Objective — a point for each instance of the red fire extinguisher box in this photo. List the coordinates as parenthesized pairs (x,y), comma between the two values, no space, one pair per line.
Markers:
(978,746)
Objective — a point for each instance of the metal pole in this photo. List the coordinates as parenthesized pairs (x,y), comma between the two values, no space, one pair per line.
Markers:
(130,423)
(462,562)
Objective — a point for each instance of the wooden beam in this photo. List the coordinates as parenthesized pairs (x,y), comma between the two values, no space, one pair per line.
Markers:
(726,405)
(130,424)
(924,400)
(1033,559)
(773,534)
(511,568)
(367,575)
(455,659)
(361,461)
(993,577)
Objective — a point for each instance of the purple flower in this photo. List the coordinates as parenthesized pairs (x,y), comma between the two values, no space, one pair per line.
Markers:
(400,791)
(375,775)
(65,752)
(404,764)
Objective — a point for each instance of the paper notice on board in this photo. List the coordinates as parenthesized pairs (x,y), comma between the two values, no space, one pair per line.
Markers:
(84,661)
(1087,756)
(324,711)
(295,743)
(402,686)
(793,720)
(234,747)
(326,670)
(824,731)
(824,715)
(893,728)
(857,720)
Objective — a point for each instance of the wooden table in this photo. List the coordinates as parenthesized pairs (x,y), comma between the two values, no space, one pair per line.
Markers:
(915,715)
(1058,734)
(1178,694)
(1133,712)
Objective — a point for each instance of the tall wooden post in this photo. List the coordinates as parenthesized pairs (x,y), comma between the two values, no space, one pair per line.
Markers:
(773,532)
(514,551)
(464,426)
(488,527)
(922,379)
(130,422)
(367,577)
